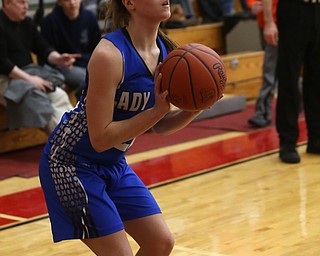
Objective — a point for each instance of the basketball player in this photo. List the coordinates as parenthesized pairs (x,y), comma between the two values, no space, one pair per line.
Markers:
(91,192)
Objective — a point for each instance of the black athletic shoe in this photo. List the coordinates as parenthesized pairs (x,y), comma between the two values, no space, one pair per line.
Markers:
(313,148)
(289,154)
(259,121)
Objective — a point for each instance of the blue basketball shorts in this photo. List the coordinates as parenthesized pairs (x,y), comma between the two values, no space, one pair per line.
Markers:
(86,200)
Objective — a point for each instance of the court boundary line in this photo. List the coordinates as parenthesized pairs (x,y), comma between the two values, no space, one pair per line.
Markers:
(31,220)
(168,182)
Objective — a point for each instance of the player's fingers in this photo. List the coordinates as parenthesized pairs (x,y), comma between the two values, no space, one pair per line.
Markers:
(164,94)
(158,68)
(157,72)
(157,83)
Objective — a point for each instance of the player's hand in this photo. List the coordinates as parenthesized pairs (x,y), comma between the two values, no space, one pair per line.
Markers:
(162,103)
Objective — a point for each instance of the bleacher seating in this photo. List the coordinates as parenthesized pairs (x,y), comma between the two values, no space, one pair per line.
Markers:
(244,72)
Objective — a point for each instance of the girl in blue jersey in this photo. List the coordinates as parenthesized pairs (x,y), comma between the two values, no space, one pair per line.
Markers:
(91,192)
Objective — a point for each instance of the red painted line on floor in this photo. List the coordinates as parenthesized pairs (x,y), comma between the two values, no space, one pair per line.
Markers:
(25,204)
(31,203)
(4,221)
(209,156)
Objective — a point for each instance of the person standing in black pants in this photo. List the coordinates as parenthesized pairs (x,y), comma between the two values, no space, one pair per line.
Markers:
(298,37)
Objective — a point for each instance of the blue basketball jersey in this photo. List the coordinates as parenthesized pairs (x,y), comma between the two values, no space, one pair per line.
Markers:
(135,93)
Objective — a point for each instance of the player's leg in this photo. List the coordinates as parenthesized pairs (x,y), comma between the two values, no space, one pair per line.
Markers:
(115,244)
(79,207)
(141,214)
(152,234)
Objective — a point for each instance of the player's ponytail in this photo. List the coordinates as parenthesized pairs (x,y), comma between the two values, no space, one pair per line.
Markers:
(116,15)
(170,45)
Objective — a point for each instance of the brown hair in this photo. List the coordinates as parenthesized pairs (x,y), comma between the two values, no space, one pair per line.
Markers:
(117,16)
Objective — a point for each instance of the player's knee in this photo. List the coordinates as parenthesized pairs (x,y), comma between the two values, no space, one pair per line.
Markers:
(169,243)
(165,244)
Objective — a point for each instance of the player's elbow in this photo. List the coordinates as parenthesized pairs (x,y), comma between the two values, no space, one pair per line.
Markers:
(162,131)
(97,144)
(98,147)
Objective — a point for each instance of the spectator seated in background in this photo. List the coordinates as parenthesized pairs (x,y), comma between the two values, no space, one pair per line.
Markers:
(228,6)
(212,10)
(222,10)
(69,27)
(31,92)
(92,6)
(182,15)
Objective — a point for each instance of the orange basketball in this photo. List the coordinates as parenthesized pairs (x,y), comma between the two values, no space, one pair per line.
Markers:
(194,75)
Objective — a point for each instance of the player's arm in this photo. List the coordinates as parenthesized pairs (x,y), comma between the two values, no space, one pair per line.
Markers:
(105,72)
(174,121)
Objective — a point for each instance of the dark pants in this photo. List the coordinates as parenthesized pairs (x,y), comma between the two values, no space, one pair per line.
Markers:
(299,47)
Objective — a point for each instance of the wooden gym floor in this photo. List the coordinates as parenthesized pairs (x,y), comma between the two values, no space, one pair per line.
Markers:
(225,195)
